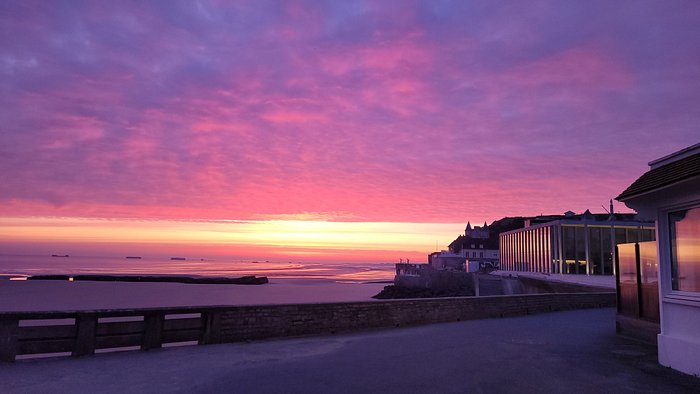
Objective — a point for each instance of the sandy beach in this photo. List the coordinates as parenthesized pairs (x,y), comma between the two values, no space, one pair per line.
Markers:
(64,295)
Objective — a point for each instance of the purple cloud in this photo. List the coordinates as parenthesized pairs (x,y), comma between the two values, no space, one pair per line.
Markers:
(361,111)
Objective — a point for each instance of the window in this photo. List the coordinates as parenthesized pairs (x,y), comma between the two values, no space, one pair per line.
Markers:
(684,234)
(580,250)
(607,251)
(594,250)
(569,241)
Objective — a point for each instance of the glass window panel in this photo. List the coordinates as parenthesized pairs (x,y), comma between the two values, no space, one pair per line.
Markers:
(594,247)
(513,251)
(544,260)
(521,251)
(509,255)
(649,267)
(531,254)
(536,251)
(607,251)
(560,250)
(503,248)
(528,247)
(553,247)
(548,248)
(518,248)
(620,236)
(533,262)
(627,256)
(645,235)
(685,249)
(569,250)
(648,263)
(580,250)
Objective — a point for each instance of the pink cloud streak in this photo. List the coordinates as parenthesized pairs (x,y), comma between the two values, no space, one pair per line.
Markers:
(389,113)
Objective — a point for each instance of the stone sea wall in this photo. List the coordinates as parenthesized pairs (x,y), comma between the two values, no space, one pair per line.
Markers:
(82,333)
(259,322)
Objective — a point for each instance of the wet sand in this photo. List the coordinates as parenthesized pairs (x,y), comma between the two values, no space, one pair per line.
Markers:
(65,295)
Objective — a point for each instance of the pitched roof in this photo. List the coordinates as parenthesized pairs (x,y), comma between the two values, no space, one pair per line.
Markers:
(463,242)
(665,175)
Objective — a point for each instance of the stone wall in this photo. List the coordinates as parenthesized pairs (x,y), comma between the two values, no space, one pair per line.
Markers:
(537,286)
(438,280)
(271,321)
(151,328)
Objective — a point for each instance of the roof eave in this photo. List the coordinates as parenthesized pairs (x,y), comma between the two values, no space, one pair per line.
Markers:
(623,197)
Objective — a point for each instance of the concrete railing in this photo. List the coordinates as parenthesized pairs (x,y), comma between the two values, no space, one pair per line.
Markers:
(80,333)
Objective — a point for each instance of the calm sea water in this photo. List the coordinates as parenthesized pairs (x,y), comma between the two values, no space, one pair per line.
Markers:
(23,265)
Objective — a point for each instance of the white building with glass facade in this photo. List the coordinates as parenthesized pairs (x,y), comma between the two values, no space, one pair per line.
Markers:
(571,244)
(669,193)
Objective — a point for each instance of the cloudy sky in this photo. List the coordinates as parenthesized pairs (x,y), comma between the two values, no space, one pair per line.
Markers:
(387,115)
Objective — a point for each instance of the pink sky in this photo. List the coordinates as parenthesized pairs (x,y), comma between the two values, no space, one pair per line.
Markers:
(417,115)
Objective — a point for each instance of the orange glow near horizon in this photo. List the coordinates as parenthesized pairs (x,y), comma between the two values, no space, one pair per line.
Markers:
(293,130)
(276,238)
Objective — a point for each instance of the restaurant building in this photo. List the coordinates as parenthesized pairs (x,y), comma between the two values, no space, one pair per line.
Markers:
(581,244)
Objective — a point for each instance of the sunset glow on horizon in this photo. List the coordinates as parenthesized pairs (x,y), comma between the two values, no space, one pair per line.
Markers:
(311,240)
(328,130)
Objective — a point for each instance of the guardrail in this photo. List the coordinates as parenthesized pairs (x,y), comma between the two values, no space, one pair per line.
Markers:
(81,333)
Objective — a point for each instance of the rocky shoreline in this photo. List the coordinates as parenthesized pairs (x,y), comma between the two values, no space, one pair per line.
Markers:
(397,292)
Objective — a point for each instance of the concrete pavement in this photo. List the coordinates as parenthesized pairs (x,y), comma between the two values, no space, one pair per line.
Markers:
(562,352)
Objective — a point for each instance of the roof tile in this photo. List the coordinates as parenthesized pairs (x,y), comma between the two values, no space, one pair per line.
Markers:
(663,176)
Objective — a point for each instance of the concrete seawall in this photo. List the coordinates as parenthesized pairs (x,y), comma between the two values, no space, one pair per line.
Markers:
(259,322)
(149,328)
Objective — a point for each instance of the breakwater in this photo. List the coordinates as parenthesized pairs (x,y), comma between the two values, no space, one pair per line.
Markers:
(81,333)
(243,280)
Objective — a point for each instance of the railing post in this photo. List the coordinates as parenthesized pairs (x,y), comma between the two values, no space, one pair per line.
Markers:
(86,334)
(153,335)
(211,325)
(8,339)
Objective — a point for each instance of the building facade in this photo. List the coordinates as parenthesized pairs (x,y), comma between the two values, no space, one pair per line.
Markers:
(447,261)
(477,232)
(571,244)
(477,247)
(669,193)
(485,257)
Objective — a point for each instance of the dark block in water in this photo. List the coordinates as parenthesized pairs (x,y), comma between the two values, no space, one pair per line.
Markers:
(49,277)
(244,280)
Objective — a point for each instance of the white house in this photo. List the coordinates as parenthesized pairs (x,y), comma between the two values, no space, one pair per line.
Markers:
(669,193)
(477,247)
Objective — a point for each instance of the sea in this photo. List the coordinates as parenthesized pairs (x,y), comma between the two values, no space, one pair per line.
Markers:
(22,266)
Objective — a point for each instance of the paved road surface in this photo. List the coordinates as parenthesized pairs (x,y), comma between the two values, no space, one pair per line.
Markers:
(563,352)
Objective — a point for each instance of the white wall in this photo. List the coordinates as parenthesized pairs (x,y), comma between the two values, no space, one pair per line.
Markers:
(679,340)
